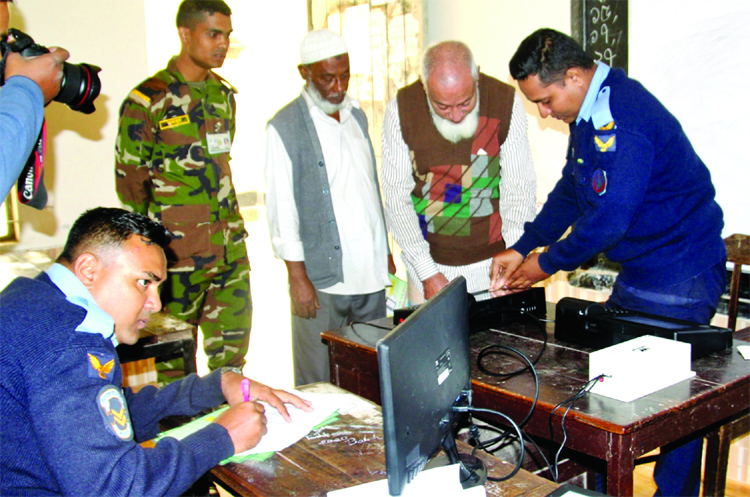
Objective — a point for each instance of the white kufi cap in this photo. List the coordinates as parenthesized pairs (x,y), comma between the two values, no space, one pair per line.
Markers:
(321,44)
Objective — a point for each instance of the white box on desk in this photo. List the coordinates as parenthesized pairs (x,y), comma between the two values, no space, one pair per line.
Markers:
(638,367)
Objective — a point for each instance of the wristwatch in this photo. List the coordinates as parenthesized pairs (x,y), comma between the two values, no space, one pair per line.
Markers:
(227,369)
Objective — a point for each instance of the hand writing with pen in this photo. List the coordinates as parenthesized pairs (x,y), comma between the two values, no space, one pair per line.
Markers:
(245,420)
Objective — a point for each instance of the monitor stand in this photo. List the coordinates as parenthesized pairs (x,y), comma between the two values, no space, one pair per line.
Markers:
(473,470)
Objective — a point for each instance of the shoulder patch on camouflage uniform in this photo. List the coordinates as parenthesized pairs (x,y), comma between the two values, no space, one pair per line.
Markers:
(114,411)
(139,98)
(145,93)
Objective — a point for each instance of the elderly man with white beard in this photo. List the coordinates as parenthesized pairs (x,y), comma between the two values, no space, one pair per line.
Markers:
(325,214)
(457,174)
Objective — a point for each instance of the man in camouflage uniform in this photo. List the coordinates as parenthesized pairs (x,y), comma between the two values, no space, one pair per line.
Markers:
(172,154)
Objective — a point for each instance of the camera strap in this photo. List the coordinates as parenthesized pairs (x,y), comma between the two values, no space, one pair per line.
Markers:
(3,46)
(31,190)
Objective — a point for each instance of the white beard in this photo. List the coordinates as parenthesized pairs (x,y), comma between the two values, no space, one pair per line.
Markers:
(455,132)
(321,102)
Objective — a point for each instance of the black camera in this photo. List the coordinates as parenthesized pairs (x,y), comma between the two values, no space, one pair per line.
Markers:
(80,83)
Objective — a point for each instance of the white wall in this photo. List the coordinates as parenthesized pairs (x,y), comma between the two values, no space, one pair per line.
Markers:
(690,54)
(698,70)
(79,171)
(131,39)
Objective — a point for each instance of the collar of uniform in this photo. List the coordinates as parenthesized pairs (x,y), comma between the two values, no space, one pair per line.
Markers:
(96,320)
(344,113)
(212,76)
(602,71)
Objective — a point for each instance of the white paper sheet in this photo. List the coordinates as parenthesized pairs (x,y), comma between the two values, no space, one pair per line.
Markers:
(282,434)
(443,481)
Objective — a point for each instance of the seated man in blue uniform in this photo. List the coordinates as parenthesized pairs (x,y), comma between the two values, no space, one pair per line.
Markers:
(633,188)
(68,427)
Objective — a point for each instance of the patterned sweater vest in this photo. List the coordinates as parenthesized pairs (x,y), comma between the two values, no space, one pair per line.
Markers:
(456,195)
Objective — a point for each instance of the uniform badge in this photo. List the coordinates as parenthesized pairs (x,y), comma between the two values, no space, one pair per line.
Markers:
(173,122)
(599,181)
(114,412)
(605,143)
(139,98)
(101,365)
(219,143)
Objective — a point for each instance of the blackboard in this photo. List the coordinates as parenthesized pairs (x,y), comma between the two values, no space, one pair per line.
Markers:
(601,27)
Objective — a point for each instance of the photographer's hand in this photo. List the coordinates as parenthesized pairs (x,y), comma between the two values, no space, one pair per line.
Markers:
(45,70)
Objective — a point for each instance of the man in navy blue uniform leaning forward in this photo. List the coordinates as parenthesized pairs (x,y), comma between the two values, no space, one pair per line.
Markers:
(633,188)
(68,426)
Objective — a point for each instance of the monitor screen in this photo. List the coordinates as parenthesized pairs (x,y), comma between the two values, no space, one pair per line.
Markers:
(424,371)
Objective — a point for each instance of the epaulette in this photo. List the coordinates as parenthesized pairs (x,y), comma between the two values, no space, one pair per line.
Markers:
(144,93)
(226,83)
(139,98)
(601,114)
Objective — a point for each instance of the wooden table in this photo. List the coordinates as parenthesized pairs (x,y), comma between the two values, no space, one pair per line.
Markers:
(611,431)
(348,452)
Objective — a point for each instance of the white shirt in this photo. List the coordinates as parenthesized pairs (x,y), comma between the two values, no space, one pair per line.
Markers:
(517,198)
(354,193)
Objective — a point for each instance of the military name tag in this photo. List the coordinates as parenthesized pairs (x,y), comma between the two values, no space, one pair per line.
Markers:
(219,143)
(173,122)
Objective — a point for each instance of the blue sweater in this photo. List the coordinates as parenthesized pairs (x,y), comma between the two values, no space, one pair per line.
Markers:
(54,436)
(21,117)
(635,190)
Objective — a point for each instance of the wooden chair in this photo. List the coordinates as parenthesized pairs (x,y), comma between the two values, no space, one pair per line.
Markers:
(719,441)
(738,253)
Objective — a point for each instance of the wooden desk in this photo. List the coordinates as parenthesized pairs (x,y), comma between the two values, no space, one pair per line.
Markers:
(612,431)
(348,452)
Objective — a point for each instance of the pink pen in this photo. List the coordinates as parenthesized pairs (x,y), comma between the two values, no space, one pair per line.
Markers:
(246,389)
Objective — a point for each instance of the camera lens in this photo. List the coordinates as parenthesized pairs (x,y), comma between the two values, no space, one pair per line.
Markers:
(80,87)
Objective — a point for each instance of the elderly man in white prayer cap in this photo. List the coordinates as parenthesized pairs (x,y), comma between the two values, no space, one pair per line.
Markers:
(324,209)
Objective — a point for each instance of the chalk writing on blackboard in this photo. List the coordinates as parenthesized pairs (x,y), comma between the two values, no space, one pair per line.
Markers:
(601,27)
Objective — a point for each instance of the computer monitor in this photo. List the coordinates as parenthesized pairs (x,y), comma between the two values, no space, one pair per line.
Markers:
(424,372)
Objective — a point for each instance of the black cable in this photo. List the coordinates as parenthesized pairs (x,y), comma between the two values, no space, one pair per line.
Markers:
(546,461)
(527,437)
(365,339)
(488,350)
(491,349)
(572,400)
(471,409)
(371,324)
(529,367)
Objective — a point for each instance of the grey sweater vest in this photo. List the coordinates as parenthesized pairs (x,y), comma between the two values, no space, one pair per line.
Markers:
(318,229)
